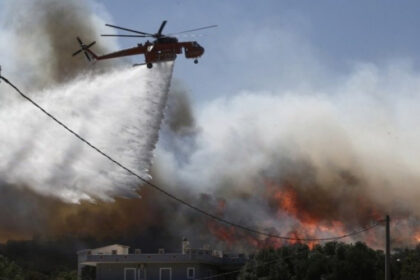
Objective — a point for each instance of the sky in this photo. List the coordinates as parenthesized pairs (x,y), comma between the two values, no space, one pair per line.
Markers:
(270,44)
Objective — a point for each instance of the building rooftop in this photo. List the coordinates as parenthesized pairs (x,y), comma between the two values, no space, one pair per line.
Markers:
(120,254)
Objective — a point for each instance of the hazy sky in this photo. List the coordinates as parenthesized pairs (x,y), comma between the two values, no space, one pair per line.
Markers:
(264,45)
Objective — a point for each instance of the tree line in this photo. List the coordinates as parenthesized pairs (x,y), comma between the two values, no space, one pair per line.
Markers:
(330,261)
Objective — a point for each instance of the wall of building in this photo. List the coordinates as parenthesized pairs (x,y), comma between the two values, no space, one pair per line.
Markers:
(179,271)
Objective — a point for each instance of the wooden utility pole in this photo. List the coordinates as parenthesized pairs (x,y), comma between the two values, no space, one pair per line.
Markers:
(387,249)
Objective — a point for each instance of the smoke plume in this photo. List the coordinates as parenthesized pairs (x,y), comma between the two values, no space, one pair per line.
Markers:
(305,163)
(40,36)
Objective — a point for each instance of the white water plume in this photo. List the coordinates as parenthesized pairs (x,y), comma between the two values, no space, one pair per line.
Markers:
(120,112)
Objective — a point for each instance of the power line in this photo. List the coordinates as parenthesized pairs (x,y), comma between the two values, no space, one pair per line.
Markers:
(172,196)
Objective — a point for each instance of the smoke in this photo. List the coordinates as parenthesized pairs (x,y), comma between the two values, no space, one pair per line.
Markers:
(296,163)
(314,163)
(40,36)
(139,222)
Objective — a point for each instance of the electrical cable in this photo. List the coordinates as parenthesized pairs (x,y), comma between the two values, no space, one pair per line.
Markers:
(172,196)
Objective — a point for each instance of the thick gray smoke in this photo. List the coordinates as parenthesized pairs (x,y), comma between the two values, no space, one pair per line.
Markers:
(313,163)
(38,38)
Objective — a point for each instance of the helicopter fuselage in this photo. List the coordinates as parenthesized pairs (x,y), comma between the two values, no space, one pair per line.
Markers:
(167,48)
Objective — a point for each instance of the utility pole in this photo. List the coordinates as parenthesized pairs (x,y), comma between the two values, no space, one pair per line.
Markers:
(387,249)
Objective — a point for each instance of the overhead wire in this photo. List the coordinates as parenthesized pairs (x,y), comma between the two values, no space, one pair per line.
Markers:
(172,196)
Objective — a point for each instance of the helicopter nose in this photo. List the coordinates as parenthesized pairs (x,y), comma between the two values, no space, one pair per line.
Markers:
(200,50)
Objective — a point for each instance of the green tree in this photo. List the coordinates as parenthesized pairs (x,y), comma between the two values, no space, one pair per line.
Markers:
(330,261)
(268,264)
(9,270)
(408,264)
(66,275)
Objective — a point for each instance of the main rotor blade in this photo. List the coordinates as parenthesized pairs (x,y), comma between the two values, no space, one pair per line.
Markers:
(117,35)
(79,40)
(161,28)
(191,30)
(129,30)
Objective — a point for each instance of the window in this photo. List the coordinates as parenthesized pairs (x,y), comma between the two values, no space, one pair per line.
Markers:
(165,273)
(114,252)
(129,273)
(190,272)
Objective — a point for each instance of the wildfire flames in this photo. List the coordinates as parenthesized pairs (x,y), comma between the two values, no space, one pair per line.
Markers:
(285,201)
(287,204)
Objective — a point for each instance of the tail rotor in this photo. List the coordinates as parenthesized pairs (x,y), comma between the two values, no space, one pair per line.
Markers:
(84,48)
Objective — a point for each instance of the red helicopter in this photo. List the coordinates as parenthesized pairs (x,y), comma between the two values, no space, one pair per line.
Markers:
(163,48)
